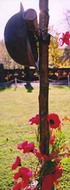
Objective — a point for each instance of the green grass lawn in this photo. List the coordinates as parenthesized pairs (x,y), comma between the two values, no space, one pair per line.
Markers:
(17,106)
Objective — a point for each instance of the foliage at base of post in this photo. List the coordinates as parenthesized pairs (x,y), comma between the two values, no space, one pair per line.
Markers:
(49,169)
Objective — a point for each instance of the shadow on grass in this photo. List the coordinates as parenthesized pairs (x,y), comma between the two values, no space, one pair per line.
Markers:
(28,87)
(62,86)
(3,87)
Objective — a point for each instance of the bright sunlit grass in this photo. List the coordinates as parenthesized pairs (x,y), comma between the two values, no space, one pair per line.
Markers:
(17,106)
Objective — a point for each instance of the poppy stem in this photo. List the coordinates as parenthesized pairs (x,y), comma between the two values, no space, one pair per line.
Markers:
(53,188)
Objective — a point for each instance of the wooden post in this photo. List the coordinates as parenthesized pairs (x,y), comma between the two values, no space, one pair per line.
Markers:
(44,83)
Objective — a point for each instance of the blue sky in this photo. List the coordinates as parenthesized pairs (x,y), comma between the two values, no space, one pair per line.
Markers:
(57,8)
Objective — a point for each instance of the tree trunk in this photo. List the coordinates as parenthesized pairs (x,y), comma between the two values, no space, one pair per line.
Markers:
(44,83)
(44,80)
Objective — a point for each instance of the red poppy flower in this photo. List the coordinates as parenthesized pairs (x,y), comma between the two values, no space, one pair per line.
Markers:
(37,154)
(24,183)
(17,186)
(26,147)
(16,163)
(65,38)
(57,159)
(20,185)
(34,188)
(35,120)
(53,120)
(47,182)
(52,178)
(45,157)
(40,156)
(22,145)
(29,148)
(57,173)
(17,175)
(52,140)
(56,182)
(24,173)
(51,156)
